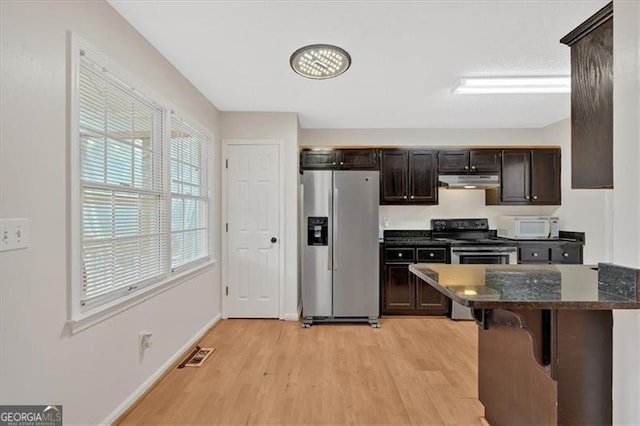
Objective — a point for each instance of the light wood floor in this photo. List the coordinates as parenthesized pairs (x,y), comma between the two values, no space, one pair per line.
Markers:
(411,371)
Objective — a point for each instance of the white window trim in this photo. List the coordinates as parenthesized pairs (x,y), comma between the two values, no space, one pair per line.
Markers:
(77,319)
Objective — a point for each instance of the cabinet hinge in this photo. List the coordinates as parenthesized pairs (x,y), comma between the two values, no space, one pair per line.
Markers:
(226,163)
(227,290)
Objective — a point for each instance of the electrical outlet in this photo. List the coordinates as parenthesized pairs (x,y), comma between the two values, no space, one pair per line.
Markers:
(144,340)
(14,234)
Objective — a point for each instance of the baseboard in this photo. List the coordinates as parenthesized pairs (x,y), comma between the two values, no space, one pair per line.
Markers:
(296,316)
(133,399)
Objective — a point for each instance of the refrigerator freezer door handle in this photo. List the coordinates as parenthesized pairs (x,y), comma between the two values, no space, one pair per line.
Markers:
(330,256)
(335,228)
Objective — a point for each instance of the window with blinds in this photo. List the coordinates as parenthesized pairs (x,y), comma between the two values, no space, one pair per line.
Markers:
(189,194)
(143,189)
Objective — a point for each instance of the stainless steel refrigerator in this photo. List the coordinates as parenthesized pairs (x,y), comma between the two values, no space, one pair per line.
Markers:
(340,281)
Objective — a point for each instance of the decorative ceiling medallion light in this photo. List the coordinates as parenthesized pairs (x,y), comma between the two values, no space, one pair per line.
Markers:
(320,61)
(508,85)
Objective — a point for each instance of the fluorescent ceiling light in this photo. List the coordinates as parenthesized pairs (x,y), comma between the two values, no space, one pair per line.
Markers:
(505,85)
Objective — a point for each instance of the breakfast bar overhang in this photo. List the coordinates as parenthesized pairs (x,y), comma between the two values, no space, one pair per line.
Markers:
(545,336)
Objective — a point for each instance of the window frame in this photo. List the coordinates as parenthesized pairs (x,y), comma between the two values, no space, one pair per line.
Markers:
(78,318)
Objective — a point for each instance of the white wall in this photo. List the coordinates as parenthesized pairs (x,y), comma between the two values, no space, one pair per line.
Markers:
(626,204)
(471,203)
(94,371)
(276,125)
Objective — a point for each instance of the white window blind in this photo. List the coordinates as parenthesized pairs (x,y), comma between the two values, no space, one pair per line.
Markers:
(189,194)
(124,219)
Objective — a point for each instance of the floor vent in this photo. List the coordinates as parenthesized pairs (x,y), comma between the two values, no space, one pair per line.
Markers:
(197,357)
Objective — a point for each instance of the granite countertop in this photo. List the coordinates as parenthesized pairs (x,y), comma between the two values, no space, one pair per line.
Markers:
(535,286)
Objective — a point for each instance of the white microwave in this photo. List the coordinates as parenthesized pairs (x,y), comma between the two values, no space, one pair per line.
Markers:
(528,227)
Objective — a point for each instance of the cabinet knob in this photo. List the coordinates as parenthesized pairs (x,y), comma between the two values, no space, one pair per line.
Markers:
(473,167)
(526,197)
(466,167)
(405,197)
(565,254)
(412,197)
(341,163)
(334,163)
(399,254)
(535,197)
(534,254)
(431,254)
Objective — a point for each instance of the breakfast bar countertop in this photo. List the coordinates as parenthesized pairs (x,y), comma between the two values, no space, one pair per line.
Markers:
(581,287)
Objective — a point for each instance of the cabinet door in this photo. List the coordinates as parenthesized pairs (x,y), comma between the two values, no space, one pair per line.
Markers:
(484,160)
(399,288)
(318,159)
(429,299)
(592,107)
(516,176)
(566,254)
(393,177)
(423,177)
(545,176)
(360,159)
(453,161)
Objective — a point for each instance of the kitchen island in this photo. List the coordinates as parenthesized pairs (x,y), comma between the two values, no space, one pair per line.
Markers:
(545,338)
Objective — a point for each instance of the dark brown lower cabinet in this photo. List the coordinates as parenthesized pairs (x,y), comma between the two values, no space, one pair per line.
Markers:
(402,292)
(549,252)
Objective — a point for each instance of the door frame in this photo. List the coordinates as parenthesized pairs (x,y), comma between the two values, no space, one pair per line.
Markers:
(224,210)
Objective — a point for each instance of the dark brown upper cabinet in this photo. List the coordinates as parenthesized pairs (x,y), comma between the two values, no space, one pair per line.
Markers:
(469,161)
(529,176)
(344,159)
(592,101)
(408,176)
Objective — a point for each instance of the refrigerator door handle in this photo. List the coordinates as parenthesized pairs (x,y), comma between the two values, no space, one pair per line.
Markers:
(330,256)
(334,245)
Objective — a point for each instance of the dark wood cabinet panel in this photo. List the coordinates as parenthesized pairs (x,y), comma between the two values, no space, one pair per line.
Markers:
(429,299)
(592,101)
(545,176)
(549,252)
(516,176)
(345,159)
(453,161)
(408,177)
(566,254)
(357,159)
(310,159)
(469,161)
(529,176)
(399,288)
(423,177)
(393,176)
(401,292)
(484,160)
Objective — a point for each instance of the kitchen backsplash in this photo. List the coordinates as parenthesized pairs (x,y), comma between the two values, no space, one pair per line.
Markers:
(455,203)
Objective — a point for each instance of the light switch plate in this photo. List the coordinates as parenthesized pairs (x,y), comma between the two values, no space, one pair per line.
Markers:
(14,234)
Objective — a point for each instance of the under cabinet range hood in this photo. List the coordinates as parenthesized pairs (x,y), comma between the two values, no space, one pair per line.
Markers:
(469,181)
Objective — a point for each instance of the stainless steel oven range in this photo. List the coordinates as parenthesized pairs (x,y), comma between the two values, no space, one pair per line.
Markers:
(472,242)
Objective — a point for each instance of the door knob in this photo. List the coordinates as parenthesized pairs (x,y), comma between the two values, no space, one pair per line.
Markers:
(274,240)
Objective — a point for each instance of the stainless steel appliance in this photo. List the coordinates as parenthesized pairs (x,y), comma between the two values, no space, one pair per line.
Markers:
(340,255)
(472,242)
(528,227)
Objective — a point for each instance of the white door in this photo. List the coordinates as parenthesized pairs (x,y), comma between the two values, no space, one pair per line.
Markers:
(253,236)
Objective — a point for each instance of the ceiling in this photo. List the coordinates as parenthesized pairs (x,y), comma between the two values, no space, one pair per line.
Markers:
(406,57)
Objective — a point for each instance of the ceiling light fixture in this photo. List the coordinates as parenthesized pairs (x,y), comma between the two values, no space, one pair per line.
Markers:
(508,85)
(320,61)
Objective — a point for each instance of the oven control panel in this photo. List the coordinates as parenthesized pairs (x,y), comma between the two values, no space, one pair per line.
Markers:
(459,224)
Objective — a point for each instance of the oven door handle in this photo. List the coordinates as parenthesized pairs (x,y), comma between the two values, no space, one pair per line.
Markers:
(482,250)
